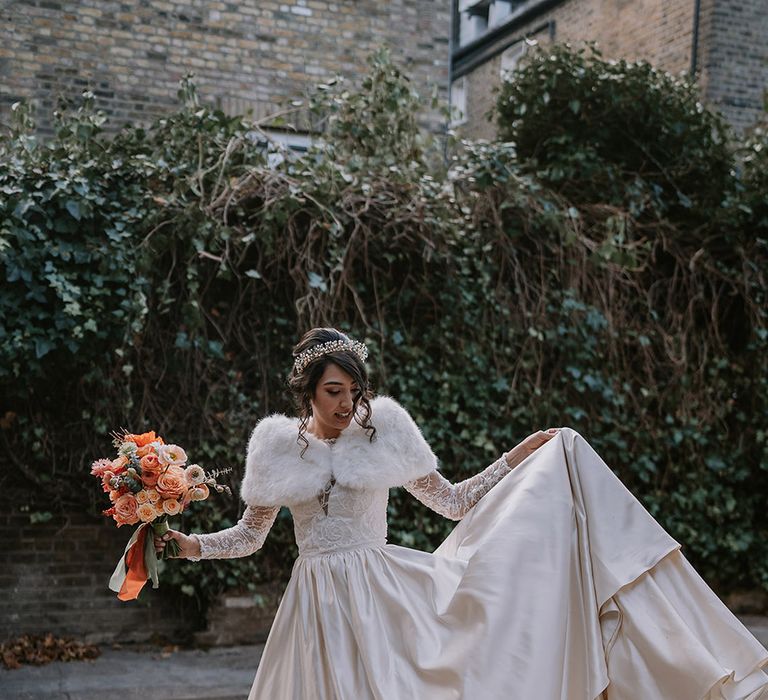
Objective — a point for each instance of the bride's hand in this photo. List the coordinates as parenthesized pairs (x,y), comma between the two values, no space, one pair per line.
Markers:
(188,546)
(534,441)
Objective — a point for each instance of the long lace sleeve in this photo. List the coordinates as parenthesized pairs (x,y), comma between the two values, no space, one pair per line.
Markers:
(454,501)
(240,540)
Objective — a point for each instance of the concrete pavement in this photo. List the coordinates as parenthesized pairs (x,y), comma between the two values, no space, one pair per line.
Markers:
(223,673)
(187,674)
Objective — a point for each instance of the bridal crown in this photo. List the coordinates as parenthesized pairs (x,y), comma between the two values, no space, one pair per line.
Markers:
(316,351)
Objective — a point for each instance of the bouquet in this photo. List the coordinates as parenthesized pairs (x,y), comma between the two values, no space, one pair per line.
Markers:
(147,482)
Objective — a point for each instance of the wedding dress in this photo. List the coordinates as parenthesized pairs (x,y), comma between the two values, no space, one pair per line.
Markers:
(556,584)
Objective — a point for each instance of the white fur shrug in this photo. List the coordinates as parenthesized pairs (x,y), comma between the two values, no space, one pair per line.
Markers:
(276,474)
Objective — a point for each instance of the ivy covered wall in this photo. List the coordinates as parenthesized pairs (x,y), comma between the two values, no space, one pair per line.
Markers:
(602,267)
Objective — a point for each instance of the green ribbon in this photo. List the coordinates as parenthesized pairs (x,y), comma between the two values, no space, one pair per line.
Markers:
(150,558)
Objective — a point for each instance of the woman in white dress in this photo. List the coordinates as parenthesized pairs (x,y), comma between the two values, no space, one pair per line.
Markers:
(556,584)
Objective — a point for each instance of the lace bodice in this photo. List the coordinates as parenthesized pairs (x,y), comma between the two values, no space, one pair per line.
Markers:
(340,518)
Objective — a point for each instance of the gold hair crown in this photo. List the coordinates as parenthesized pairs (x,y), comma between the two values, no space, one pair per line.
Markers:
(316,351)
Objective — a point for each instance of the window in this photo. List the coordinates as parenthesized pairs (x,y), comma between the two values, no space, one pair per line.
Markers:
(280,145)
(511,57)
(478,17)
(459,101)
(473,19)
(498,12)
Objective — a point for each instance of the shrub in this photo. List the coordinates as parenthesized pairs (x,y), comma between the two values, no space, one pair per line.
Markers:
(496,297)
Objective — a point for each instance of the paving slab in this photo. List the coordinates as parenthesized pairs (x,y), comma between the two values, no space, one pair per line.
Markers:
(186,674)
(221,673)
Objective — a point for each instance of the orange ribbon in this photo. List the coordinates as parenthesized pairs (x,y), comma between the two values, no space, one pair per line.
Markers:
(137,574)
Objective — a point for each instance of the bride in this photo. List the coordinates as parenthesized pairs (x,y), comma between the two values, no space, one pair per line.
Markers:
(556,584)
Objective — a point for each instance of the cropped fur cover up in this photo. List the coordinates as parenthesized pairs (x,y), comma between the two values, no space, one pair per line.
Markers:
(277,474)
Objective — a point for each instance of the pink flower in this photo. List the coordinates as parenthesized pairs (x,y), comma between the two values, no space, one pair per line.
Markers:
(100,466)
(195,474)
(171,455)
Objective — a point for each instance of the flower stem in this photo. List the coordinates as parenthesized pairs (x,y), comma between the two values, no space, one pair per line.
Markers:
(171,549)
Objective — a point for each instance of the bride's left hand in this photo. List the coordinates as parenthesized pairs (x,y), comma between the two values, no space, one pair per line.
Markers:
(534,441)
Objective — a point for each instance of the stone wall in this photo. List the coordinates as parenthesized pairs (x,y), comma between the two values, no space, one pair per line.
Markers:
(252,55)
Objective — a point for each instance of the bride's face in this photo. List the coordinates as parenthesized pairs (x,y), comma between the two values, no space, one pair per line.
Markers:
(334,402)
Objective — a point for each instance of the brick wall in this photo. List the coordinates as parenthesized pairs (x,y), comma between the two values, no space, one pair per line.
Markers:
(659,31)
(254,54)
(732,58)
(54,576)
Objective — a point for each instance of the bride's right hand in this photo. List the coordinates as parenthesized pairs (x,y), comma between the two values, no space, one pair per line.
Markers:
(188,546)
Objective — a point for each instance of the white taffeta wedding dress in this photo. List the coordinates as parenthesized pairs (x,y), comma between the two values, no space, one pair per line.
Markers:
(556,584)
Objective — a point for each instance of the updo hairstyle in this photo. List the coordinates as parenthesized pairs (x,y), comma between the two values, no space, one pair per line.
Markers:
(303,385)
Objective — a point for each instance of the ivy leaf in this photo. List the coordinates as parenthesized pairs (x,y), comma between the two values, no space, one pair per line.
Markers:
(73,208)
(715,463)
(42,347)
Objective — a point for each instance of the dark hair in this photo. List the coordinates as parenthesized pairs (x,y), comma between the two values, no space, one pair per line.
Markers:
(304,384)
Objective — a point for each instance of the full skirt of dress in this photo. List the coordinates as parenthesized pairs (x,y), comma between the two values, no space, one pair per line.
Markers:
(557,585)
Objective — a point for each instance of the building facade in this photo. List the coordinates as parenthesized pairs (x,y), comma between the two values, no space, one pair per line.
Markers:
(245,55)
(723,43)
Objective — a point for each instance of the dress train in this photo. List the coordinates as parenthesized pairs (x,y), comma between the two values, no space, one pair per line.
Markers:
(586,597)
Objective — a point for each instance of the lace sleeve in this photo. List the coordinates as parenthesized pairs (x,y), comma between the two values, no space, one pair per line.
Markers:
(240,540)
(455,500)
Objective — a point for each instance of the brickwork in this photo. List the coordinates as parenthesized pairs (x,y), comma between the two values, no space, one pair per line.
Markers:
(245,55)
(54,576)
(238,619)
(732,58)
(481,100)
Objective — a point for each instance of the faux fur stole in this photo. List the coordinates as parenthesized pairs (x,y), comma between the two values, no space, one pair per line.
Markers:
(277,474)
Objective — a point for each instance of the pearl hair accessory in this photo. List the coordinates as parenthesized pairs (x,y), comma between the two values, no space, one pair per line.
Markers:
(316,351)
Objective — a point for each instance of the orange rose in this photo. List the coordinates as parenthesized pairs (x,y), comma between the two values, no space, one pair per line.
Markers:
(143,439)
(126,510)
(118,465)
(171,507)
(146,512)
(150,461)
(150,469)
(145,450)
(172,482)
